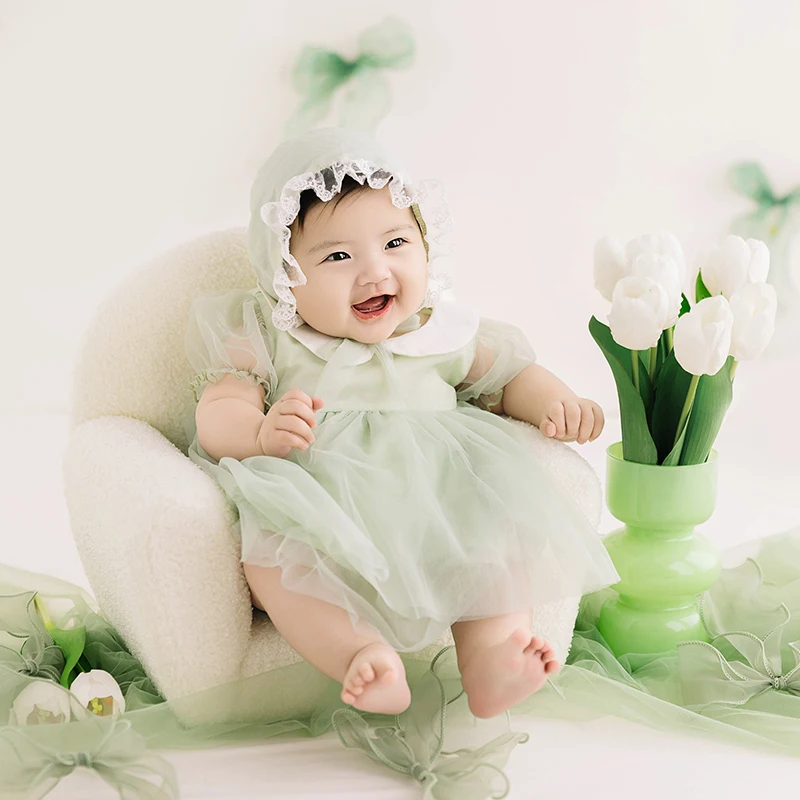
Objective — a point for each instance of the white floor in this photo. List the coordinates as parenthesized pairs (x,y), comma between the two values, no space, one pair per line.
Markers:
(759,494)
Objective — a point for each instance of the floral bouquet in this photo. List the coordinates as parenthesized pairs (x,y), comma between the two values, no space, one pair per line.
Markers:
(80,656)
(674,360)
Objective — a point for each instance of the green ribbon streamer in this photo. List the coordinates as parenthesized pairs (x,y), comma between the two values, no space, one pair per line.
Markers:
(120,758)
(37,656)
(319,74)
(708,678)
(748,179)
(414,744)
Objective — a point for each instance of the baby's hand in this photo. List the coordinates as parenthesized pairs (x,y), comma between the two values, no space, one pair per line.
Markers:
(288,424)
(579,420)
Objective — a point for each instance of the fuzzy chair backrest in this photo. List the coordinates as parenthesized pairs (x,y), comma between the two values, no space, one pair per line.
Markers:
(132,361)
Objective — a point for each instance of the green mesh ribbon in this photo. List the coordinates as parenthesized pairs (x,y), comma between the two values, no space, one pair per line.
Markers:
(414,744)
(775,220)
(31,769)
(772,211)
(319,74)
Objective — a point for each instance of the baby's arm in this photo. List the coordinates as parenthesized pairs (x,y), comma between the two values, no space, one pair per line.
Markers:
(537,396)
(230,421)
(229,418)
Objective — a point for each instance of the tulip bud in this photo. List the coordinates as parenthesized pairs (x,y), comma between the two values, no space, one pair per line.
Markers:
(610,266)
(639,310)
(727,268)
(41,703)
(663,270)
(98,692)
(658,244)
(754,308)
(703,336)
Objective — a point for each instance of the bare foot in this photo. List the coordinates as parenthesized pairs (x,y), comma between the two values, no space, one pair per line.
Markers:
(499,677)
(376,681)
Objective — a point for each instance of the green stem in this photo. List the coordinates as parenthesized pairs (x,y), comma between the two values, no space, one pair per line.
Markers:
(670,345)
(687,407)
(635,363)
(39,604)
(734,364)
(653,354)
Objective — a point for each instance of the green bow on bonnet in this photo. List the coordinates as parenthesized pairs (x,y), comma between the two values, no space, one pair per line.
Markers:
(320,73)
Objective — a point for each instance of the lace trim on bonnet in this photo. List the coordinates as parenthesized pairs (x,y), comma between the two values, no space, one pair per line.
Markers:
(428,195)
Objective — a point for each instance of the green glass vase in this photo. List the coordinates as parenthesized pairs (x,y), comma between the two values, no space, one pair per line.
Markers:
(662,562)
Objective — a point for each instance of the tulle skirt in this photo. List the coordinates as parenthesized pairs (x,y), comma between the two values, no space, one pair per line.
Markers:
(414,520)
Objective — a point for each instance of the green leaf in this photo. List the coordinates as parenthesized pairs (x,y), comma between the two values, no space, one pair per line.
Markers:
(700,291)
(637,443)
(672,387)
(674,456)
(713,398)
(686,306)
(71,642)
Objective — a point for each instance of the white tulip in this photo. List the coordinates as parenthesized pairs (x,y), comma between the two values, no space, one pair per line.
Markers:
(703,336)
(98,692)
(610,266)
(754,308)
(41,703)
(665,271)
(639,310)
(658,244)
(727,268)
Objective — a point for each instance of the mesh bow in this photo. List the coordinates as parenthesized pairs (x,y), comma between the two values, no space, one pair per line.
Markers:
(120,758)
(319,74)
(414,744)
(709,678)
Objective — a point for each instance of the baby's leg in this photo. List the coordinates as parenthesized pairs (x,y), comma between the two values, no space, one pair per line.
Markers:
(371,673)
(500,662)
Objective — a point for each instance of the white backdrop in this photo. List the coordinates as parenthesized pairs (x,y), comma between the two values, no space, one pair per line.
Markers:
(129,127)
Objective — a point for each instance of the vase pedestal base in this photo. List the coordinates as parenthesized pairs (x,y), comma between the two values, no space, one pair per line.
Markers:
(629,628)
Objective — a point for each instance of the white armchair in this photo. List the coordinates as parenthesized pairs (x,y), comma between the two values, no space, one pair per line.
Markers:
(136,501)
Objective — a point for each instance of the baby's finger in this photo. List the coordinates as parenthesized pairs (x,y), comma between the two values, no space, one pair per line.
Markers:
(556,414)
(587,423)
(297,394)
(298,408)
(573,416)
(318,403)
(294,424)
(599,422)
(548,427)
(289,439)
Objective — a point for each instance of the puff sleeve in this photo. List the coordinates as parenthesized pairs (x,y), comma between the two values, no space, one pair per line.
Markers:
(502,352)
(227,334)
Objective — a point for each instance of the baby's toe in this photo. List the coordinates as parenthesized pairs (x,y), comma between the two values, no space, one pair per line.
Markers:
(551,666)
(366,673)
(521,638)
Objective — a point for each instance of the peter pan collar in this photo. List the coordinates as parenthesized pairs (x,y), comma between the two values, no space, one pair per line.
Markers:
(450,327)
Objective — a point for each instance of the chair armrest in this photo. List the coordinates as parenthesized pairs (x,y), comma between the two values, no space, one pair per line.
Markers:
(155,535)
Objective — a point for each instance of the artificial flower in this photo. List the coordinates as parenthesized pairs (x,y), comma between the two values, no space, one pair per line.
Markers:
(41,702)
(703,336)
(98,692)
(639,310)
(726,268)
(754,308)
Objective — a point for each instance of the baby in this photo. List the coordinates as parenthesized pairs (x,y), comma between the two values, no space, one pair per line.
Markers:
(355,420)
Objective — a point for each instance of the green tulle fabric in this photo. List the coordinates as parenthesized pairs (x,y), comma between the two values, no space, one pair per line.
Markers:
(743,688)
(319,74)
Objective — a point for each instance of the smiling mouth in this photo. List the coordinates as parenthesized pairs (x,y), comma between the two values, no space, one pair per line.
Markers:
(374,307)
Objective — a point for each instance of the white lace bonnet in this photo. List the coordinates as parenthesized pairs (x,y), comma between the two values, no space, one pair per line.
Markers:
(319,160)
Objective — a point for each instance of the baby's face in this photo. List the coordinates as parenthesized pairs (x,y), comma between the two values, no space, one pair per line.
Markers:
(365,265)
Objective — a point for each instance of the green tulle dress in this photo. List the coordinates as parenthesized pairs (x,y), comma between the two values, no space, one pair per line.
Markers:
(415,507)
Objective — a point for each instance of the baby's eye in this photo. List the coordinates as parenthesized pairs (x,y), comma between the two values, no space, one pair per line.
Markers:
(334,256)
(395,242)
